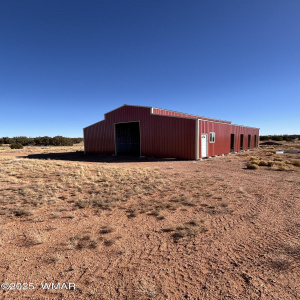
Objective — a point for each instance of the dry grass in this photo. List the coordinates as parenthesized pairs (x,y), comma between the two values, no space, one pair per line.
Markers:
(106,230)
(188,229)
(267,157)
(81,242)
(31,184)
(295,162)
(280,263)
(252,165)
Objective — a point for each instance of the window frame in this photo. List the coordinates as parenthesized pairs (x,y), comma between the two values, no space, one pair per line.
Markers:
(212,137)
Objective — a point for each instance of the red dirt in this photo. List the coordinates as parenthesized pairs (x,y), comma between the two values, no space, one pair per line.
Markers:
(249,250)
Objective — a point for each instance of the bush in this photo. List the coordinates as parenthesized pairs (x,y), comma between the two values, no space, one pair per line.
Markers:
(42,141)
(263,163)
(296,162)
(16,146)
(251,165)
(61,141)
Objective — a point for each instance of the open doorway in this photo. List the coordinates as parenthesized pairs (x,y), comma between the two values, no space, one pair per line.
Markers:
(232,141)
(127,139)
(242,142)
(249,141)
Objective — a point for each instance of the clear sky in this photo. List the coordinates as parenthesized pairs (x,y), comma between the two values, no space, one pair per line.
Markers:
(64,63)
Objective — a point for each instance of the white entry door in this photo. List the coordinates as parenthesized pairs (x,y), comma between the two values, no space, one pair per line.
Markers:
(203,145)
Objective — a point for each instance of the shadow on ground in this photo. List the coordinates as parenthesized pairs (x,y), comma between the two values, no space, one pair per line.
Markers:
(80,156)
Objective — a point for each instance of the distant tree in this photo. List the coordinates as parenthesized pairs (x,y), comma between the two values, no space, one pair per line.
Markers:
(264,138)
(277,138)
(25,141)
(42,141)
(61,141)
(6,140)
(77,140)
(16,146)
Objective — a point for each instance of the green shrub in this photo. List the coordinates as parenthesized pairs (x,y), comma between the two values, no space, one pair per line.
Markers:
(16,146)
(61,141)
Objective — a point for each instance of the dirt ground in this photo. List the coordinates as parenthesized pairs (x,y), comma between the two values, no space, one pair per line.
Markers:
(131,228)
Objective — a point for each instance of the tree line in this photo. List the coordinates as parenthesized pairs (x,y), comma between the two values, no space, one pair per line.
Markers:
(284,137)
(18,141)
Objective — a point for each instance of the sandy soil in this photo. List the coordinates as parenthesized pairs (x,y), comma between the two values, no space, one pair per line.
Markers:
(144,228)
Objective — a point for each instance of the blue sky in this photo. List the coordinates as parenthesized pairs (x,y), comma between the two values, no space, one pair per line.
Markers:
(64,63)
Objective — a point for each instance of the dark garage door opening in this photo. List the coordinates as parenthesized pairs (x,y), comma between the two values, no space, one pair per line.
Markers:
(232,143)
(127,137)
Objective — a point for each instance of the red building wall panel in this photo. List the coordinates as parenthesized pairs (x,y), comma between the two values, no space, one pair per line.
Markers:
(223,137)
(169,137)
(161,136)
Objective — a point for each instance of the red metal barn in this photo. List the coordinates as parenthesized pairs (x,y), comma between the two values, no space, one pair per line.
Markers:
(149,131)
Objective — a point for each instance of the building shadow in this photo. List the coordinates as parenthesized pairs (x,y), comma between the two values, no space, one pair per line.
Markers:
(81,157)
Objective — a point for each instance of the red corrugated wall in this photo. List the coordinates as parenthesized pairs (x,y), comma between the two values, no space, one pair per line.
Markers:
(223,136)
(161,136)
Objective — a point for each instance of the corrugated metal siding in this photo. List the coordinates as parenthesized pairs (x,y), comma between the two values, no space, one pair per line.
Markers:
(165,112)
(163,136)
(160,136)
(99,138)
(223,137)
(169,137)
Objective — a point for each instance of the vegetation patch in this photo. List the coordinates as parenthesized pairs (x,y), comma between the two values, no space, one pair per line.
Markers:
(186,230)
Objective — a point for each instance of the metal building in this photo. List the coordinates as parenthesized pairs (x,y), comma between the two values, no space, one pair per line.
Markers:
(148,131)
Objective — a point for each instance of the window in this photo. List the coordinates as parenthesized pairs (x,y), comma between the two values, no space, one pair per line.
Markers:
(212,137)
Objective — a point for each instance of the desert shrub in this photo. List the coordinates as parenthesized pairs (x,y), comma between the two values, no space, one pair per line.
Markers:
(252,157)
(295,162)
(188,229)
(280,166)
(84,242)
(16,146)
(61,141)
(277,158)
(106,229)
(269,153)
(252,165)
(263,163)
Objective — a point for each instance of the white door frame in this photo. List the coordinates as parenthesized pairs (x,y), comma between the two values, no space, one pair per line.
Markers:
(206,136)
